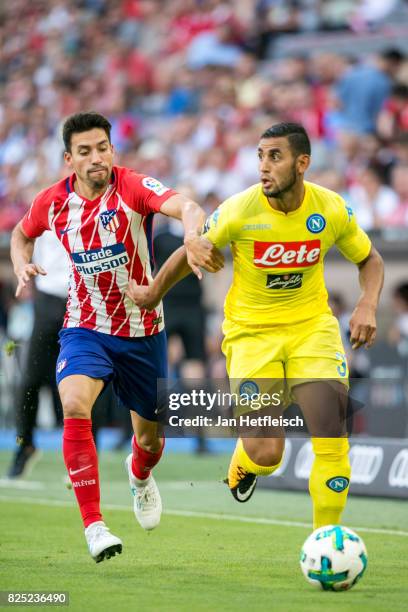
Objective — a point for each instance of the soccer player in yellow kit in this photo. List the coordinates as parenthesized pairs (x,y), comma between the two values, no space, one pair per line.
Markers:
(278,324)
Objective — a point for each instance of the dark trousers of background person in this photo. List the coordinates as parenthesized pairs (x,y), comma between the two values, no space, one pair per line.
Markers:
(189,324)
(39,369)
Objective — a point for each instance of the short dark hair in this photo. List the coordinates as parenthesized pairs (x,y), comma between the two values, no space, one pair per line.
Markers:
(400,90)
(393,54)
(295,133)
(82,122)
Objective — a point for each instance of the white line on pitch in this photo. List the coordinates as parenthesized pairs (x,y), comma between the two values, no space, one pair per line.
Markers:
(9,483)
(207,515)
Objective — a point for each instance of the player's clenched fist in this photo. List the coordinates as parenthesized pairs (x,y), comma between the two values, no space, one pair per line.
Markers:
(363,326)
(144,296)
(25,273)
(202,253)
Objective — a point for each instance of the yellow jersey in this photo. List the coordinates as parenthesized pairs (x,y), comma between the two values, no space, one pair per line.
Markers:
(278,257)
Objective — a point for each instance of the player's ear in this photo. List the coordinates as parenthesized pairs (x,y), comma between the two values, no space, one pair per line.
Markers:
(68,158)
(302,163)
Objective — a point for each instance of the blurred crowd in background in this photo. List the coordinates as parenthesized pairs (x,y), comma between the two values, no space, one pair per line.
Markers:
(189,86)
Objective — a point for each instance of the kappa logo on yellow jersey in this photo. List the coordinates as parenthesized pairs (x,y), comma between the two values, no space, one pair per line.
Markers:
(286,254)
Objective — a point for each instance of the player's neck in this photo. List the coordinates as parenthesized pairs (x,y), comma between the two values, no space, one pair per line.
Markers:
(289,201)
(86,191)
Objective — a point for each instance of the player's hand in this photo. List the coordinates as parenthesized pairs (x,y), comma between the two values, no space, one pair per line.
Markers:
(201,253)
(363,326)
(144,296)
(25,273)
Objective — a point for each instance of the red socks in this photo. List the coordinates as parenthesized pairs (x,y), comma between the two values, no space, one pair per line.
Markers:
(81,460)
(143,461)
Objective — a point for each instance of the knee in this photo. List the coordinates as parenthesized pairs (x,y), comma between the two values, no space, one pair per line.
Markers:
(266,451)
(76,408)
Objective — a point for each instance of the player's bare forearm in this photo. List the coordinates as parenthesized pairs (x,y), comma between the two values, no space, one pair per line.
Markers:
(21,248)
(21,252)
(174,269)
(371,278)
(363,327)
(199,253)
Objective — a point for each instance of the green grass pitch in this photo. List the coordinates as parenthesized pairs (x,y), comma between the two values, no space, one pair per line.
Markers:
(209,553)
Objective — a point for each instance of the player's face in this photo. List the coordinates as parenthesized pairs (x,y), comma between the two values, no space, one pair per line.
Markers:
(279,169)
(91,158)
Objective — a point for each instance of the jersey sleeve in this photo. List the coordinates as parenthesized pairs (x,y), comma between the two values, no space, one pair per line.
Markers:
(35,221)
(352,241)
(217,226)
(148,194)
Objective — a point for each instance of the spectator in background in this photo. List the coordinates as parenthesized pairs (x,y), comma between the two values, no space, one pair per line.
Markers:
(219,47)
(399,182)
(400,148)
(363,90)
(393,118)
(398,334)
(373,200)
(50,299)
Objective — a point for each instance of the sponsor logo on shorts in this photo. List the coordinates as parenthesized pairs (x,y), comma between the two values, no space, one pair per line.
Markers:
(350,212)
(286,254)
(154,185)
(315,223)
(342,368)
(248,388)
(284,281)
(338,483)
(100,260)
(61,365)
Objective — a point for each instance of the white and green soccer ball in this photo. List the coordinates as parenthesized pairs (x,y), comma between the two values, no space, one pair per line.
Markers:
(333,558)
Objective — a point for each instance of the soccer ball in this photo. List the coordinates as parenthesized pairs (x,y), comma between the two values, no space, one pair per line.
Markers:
(333,558)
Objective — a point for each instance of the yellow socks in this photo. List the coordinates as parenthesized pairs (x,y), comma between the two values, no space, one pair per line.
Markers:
(329,480)
(246,462)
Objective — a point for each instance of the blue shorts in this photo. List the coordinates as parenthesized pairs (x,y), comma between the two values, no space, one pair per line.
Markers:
(132,364)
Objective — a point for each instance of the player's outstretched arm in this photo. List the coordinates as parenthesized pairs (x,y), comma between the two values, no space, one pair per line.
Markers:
(200,253)
(21,252)
(174,269)
(363,327)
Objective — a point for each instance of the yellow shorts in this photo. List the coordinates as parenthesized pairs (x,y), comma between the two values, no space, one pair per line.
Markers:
(304,351)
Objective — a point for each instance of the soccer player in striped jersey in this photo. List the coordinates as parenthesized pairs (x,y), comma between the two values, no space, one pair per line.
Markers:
(279,332)
(103,215)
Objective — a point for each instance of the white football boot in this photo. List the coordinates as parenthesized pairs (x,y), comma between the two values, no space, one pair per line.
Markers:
(101,543)
(147,503)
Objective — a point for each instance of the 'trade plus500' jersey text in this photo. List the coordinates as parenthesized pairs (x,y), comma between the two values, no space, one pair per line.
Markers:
(278,258)
(109,241)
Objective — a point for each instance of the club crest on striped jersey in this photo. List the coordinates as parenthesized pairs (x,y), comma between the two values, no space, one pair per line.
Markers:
(109,220)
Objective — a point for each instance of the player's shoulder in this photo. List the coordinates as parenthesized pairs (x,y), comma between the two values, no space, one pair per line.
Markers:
(245,199)
(54,192)
(130,179)
(327,200)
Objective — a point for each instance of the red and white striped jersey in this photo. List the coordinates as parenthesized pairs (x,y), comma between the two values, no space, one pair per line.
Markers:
(109,241)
